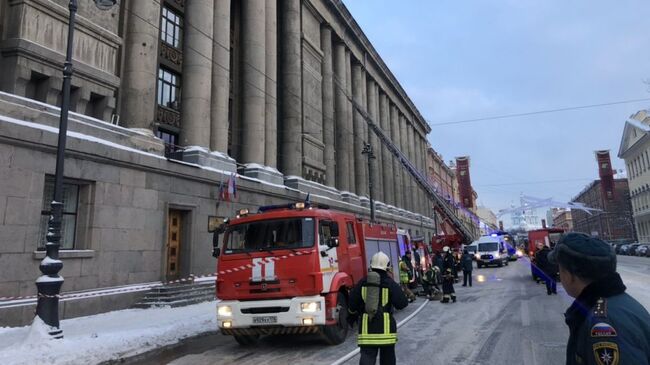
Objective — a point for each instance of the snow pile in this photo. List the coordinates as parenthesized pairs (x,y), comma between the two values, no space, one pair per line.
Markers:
(107,336)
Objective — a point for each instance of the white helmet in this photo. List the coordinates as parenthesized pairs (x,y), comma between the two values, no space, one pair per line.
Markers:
(379,261)
(445,249)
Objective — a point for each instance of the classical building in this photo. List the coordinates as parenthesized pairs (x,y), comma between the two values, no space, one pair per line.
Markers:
(444,180)
(614,221)
(170,99)
(634,149)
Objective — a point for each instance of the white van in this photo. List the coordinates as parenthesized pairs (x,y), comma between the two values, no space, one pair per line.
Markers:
(491,251)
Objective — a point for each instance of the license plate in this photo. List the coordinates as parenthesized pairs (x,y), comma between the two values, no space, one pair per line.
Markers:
(265,320)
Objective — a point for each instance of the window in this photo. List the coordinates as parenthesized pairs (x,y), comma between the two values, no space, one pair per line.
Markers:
(69,219)
(37,87)
(171,26)
(168,89)
(351,236)
(269,235)
(170,140)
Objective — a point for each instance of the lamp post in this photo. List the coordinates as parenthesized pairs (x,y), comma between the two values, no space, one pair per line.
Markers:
(367,150)
(49,284)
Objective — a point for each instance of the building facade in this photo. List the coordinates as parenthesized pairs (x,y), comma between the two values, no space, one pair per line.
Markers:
(170,99)
(488,220)
(614,221)
(562,218)
(634,150)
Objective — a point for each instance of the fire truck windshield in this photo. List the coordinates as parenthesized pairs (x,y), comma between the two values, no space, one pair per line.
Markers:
(270,235)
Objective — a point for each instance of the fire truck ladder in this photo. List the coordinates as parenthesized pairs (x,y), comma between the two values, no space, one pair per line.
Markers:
(439,203)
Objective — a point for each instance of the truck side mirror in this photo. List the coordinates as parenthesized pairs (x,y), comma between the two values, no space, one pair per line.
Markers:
(333,242)
(334,229)
(216,251)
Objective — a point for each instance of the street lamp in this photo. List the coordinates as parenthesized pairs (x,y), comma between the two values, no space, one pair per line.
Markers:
(49,284)
(367,150)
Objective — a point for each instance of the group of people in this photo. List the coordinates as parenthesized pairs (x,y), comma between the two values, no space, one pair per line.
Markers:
(545,269)
(606,325)
(441,270)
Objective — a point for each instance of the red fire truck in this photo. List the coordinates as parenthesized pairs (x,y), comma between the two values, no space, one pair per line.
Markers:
(288,269)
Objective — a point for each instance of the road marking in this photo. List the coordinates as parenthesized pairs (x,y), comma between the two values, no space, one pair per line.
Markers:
(525,313)
(356,351)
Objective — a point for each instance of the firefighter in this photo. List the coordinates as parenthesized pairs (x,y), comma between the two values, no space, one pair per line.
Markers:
(405,279)
(448,291)
(606,325)
(429,282)
(372,301)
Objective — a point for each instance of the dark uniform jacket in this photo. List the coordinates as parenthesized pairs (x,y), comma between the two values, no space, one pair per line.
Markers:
(607,326)
(466,262)
(380,330)
(541,260)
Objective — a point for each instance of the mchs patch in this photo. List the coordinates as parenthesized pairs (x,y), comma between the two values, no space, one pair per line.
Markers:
(603,330)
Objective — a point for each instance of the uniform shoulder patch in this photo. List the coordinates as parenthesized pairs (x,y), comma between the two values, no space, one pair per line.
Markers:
(603,329)
(606,353)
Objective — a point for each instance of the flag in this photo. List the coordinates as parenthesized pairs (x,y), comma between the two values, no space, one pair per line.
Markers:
(232,186)
(221,189)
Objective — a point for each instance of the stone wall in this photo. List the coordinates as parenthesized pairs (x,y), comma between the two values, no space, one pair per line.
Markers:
(127,188)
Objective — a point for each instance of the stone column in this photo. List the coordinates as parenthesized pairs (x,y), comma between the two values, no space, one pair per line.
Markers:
(405,173)
(197,65)
(372,137)
(291,88)
(220,77)
(140,72)
(397,166)
(340,111)
(379,147)
(411,182)
(361,173)
(353,148)
(253,66)
(386,156)
(271,116)
(328,106)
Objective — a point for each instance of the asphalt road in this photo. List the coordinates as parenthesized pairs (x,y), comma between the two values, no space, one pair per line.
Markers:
(505,318)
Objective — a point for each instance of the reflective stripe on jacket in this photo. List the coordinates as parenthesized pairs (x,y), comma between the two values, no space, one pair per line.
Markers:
(380,329)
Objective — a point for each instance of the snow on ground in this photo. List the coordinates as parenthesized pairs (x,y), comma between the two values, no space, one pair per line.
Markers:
(107,336)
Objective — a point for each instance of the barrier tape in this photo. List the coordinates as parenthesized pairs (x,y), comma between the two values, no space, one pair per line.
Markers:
(190,278)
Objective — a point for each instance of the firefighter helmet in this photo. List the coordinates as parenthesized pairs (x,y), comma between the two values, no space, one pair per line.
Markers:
(445,249)
(379,261)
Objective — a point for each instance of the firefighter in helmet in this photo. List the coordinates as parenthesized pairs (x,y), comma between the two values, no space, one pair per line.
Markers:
(371,302)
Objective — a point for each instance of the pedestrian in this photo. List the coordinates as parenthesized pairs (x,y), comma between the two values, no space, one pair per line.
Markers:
(467,266)
(546,270)
(448,291)
(405,278)
(372,301)
(606,325)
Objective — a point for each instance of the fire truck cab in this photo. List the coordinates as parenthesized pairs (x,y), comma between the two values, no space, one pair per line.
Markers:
(288,270)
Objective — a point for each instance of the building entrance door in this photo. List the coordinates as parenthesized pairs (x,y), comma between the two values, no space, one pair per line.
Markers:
(174,243)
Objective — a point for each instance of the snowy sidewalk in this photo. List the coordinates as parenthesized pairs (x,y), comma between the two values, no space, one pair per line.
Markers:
(106,336)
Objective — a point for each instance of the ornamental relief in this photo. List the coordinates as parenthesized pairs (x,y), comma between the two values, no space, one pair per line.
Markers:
(168,117)
(171,54)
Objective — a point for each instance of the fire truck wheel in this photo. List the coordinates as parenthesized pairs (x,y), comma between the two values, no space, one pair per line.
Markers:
(335,335)
(247,340)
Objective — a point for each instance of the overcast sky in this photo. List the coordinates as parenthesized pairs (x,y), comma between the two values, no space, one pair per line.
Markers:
(462,60)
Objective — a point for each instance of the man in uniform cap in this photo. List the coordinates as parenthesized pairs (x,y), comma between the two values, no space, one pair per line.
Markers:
(606,325)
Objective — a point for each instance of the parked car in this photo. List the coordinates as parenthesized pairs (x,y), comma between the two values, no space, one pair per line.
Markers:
(632,249)
(624,250)
(642,250)
(617,247)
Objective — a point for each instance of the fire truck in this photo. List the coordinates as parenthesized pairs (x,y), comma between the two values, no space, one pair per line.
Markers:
(547,237)
(288,269)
